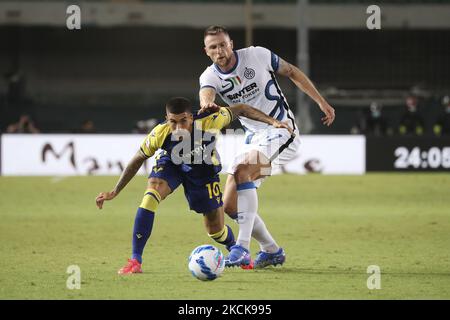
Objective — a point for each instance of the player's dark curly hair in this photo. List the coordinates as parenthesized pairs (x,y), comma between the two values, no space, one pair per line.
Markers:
(179,105)
(213,30)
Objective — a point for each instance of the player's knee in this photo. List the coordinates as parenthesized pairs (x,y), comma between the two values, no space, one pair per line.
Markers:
(242,174)
(160,186)
(247,173)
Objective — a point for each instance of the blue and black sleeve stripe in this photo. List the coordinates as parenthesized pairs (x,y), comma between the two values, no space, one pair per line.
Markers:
(275,61)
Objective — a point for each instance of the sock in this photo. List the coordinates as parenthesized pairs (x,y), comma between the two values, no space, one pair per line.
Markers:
(225,237)
(143,223)
(263,236)
(247,204)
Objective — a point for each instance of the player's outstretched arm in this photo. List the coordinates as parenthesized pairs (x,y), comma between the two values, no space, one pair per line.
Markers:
(130,171)
(304,83)
(207,96)
(247,111)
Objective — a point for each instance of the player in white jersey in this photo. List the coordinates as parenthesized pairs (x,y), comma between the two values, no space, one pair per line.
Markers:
(248,76)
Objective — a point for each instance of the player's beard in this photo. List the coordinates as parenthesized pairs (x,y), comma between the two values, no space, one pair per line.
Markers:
(224,64)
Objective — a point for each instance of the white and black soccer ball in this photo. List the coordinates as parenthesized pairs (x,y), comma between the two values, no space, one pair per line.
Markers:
(206,262)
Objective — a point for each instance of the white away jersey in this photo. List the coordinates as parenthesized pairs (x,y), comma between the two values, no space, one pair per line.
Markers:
(251,81)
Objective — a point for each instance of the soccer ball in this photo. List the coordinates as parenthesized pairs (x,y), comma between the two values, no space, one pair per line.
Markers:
(206,262)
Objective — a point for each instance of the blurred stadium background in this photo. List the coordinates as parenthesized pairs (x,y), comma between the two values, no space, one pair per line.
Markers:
(114,76)
(130,56)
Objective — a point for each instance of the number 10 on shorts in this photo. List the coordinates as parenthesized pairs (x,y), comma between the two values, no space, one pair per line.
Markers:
(214,190)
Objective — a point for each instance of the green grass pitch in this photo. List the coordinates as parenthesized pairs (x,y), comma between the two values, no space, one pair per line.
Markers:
(332,228)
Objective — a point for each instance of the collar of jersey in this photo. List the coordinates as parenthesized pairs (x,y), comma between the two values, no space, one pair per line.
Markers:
(232,69)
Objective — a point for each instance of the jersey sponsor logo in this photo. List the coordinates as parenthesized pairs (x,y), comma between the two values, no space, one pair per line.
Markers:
(249,73)
(246,92)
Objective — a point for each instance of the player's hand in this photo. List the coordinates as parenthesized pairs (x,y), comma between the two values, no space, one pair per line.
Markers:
(285,125)
(210,107)
(329,113)
(104,196)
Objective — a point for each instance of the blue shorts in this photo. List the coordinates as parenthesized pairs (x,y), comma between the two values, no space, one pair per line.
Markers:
(203,194)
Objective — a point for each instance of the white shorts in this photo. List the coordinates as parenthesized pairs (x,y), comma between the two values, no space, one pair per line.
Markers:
(276,144)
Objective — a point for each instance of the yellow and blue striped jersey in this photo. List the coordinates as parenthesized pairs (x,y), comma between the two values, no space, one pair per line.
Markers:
(205,128)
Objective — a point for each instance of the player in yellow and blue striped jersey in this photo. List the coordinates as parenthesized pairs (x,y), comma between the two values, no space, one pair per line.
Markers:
(187,157)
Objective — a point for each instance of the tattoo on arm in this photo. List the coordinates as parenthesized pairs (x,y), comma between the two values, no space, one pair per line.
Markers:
(285,69)
(300,80)
(130,171)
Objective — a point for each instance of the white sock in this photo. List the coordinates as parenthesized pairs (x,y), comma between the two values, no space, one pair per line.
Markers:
(263,236)
(247,204)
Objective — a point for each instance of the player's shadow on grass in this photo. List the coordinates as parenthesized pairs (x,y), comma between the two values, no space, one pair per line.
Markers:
(334,270)
(289,270)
